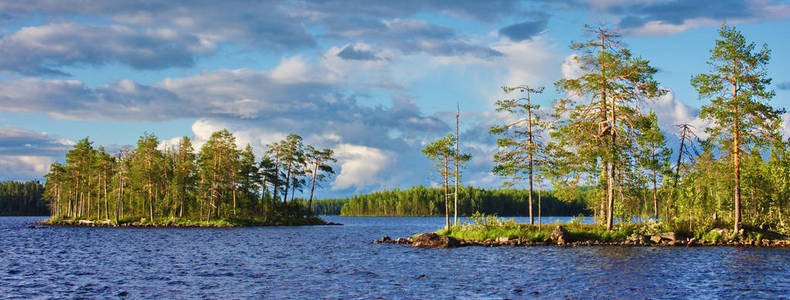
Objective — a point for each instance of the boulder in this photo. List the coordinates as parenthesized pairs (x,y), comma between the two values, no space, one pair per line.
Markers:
(384,239)
(655,239)
(402,241)
(559,235)
(433,240)
(85,222)
(670,236)
(502,239)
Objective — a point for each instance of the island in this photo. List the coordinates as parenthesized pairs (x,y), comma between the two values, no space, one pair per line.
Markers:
(161,185)
(491,231)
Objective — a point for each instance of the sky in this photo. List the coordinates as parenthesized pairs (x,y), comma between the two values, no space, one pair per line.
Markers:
(373,80)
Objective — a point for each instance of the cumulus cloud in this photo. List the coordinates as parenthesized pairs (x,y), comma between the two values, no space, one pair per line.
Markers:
(166,34)
(524,30)
(26,154)
(415,36)
(24,167)
(351,52)
(359,165)
(45,49)
(669,17)
(786,125)
(17,141)
(672,112)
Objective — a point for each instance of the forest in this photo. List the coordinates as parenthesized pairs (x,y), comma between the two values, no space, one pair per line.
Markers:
(22,199)
(425,201)
(219,182)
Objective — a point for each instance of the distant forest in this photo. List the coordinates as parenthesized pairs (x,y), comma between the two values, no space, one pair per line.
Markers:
(425,201)
(22,199)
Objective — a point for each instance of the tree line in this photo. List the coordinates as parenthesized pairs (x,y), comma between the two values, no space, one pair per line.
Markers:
(599,135)
(156,181)
(427,201)
(22,199)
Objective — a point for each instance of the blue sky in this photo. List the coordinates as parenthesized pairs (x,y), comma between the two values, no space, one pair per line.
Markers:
(374,80)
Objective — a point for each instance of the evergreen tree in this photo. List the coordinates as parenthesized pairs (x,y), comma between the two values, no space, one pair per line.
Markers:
(654,154)
(321,170)
(737,88)
(521,148)
(613,81)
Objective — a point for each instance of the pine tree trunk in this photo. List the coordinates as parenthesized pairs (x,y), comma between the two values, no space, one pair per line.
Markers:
(446,200)
(529,150)
(540,221)
(737,164)
(312,186)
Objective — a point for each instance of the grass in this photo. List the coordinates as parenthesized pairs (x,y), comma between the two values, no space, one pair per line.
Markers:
(188,222)
(534,233)
(485,227)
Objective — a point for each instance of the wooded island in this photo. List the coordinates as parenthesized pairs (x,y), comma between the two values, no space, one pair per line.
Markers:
(219,186)
(600,136)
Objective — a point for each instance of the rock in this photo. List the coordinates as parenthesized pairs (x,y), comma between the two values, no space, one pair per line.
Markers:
(85,222)
(670,236)
(502,239)
(559,235)
(655,239)
(433,240)
(386,238)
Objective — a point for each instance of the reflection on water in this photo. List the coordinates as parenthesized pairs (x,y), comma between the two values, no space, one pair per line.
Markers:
(340,262)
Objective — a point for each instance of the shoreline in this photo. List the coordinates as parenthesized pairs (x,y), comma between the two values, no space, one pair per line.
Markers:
(182,223)
(560,237)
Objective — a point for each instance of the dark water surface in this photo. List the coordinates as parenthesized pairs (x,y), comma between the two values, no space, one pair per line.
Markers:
(341,262)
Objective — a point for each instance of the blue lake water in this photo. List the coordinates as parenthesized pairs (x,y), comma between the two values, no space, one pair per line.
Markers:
(341,262)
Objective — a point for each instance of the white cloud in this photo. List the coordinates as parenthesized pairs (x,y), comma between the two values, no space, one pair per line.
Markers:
(671,112)
(24,167)
(659,28)
(571,68)
(359,165)
(786,125)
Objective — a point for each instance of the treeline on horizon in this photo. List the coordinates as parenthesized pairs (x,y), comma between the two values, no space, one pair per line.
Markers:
(427,201)
(22,199)
(220,181)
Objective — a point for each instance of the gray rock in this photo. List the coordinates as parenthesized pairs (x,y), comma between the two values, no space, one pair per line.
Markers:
(433,240)
(559,235)
(670,236)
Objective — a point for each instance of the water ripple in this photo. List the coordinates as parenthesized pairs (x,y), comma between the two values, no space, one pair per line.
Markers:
(340,262)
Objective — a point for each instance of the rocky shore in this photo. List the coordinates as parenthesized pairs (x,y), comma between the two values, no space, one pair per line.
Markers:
(560,237)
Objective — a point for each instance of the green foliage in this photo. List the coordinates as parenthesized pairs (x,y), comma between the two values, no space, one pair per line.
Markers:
(489,227)
(424,201)
(151,185)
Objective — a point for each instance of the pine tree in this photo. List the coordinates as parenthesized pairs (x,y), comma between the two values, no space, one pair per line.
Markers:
(318,160)
(654,154)
(737,88)
(613,82)
(521,148)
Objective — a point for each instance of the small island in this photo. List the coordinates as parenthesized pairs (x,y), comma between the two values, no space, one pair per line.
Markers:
(727,183)
(491,231)
(160,185)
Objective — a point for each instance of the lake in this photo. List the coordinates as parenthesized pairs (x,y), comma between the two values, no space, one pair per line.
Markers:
(341,262)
